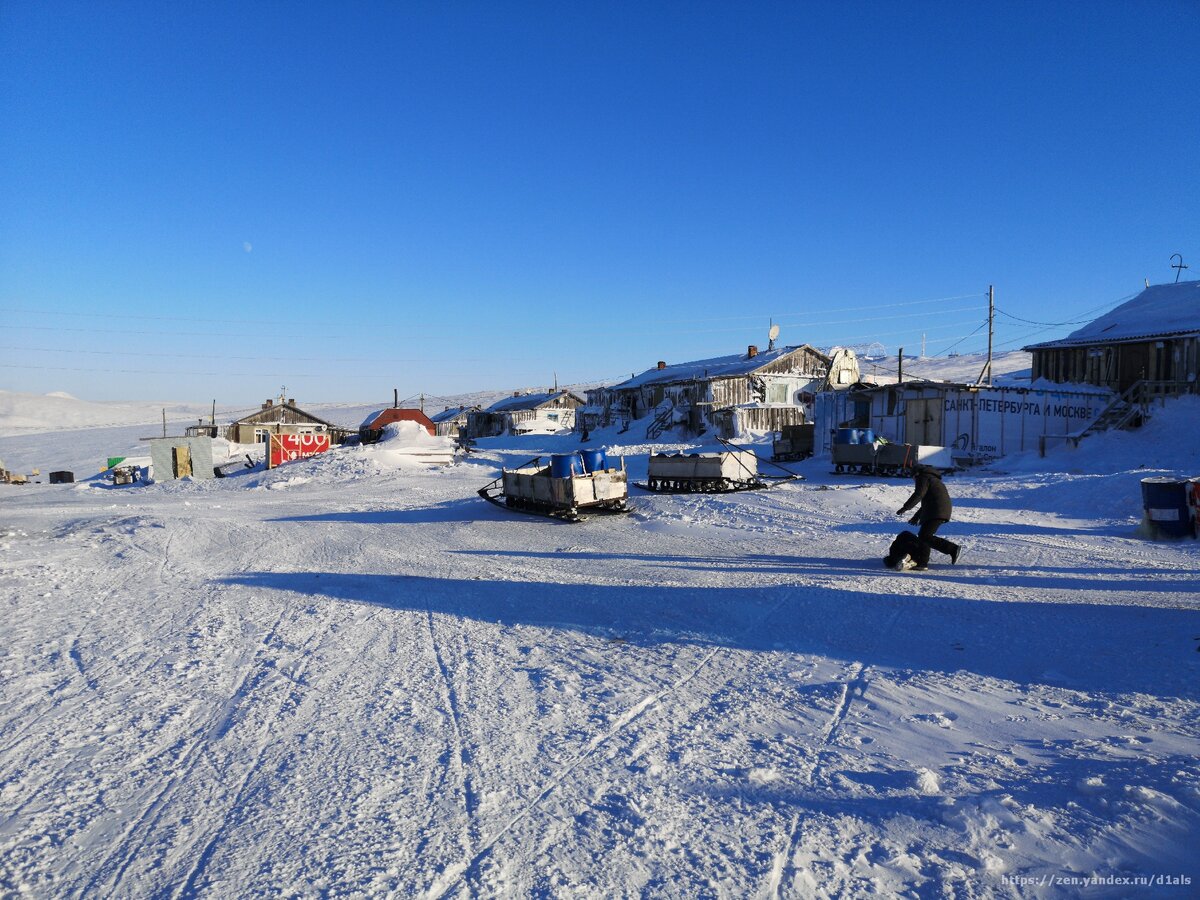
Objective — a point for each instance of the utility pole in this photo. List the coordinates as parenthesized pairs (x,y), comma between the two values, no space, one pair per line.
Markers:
(986,372)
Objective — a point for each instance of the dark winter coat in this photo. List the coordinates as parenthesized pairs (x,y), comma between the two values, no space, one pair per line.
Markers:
(931,494)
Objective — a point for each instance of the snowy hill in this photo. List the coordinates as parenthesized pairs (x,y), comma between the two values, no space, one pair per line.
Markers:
(352,676)
(1009,367)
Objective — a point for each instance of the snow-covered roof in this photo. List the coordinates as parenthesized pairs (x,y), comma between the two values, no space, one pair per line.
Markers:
(528,401)
(390,414)
(1160,310)
(453,412)
(718,367)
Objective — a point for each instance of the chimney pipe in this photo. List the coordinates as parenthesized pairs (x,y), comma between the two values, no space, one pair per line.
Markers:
(751,352)
(661,364)
(395,397)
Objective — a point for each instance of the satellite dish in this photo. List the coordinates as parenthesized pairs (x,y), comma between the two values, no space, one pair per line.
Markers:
(773,333)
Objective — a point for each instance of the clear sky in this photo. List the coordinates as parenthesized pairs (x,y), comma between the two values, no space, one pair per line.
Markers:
(212,200)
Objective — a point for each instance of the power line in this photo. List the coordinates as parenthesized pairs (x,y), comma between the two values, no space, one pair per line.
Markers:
(290,358)
(224,320)
(223,373)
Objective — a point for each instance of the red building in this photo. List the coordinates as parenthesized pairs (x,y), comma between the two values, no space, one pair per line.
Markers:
(371,430)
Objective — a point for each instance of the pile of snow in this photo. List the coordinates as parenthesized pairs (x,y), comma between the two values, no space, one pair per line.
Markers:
(404,443)
(1010,368)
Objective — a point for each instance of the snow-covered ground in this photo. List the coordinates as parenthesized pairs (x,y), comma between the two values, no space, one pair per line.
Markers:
(352,676)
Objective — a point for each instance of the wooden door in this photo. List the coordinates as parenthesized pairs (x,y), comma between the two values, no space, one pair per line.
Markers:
(1134,364)
(182,458)
(923,422)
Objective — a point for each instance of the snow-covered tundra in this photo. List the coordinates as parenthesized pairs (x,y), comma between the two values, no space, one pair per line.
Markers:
(351,676)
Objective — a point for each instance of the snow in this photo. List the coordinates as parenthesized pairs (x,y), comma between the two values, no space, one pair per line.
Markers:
(350,675)
(526,401)
(1158,311)
(717,367)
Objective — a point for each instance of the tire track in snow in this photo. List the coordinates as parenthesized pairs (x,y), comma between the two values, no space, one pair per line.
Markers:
(455,874)
(188,887)
(855,686)
(125,851)
(461,758)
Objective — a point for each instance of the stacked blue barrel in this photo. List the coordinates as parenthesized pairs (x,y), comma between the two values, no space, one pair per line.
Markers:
(854,436)
(564,465)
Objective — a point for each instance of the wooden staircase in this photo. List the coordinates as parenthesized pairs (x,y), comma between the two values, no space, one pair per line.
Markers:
(663,419)
(1125,410)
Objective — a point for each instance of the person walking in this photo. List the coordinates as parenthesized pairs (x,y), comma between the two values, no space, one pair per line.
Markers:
(933,513)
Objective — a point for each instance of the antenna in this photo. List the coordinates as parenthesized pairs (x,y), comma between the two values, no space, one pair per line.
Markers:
(1177,267)
(771,335)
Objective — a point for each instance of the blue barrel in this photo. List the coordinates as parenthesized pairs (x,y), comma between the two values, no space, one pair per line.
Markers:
(866,436)
(1165,501)
(594,460)
(564,465)
(846,436)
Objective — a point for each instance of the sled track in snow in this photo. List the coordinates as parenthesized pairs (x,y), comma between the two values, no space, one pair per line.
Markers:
(854,687)
(188,888)
(111,871)
(456,874)
(460,758)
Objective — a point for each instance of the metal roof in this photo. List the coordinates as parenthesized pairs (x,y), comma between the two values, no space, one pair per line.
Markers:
(1161,310)
(528,401)
(717,367)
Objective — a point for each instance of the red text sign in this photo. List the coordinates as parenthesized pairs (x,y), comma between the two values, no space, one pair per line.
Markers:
(288,447)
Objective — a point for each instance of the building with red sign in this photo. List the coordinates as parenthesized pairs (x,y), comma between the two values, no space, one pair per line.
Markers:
(281,417)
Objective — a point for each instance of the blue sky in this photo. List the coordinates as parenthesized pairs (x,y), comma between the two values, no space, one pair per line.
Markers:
(214,200)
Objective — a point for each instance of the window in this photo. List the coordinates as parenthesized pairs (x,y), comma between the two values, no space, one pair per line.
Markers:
(777,393)
(261,435)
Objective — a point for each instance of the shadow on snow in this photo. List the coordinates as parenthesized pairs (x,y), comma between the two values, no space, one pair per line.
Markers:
(1080,646)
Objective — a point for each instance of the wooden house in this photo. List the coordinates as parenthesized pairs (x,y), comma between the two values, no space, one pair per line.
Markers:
(452,420)
(1151,342)
(729,394)
(281,417)
(525,413)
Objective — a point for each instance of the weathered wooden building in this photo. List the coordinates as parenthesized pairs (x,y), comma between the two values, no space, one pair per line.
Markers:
(452,420)
(524,413)
(1151,341)
(278,417)
(729,394)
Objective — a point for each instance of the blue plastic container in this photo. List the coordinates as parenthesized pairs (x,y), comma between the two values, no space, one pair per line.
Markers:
(846,436)
(564,465)
(594,460)
(1165,501)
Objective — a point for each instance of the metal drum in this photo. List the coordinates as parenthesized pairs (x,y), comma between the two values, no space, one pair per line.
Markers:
(564,465)
(594,460)
(1165,501)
